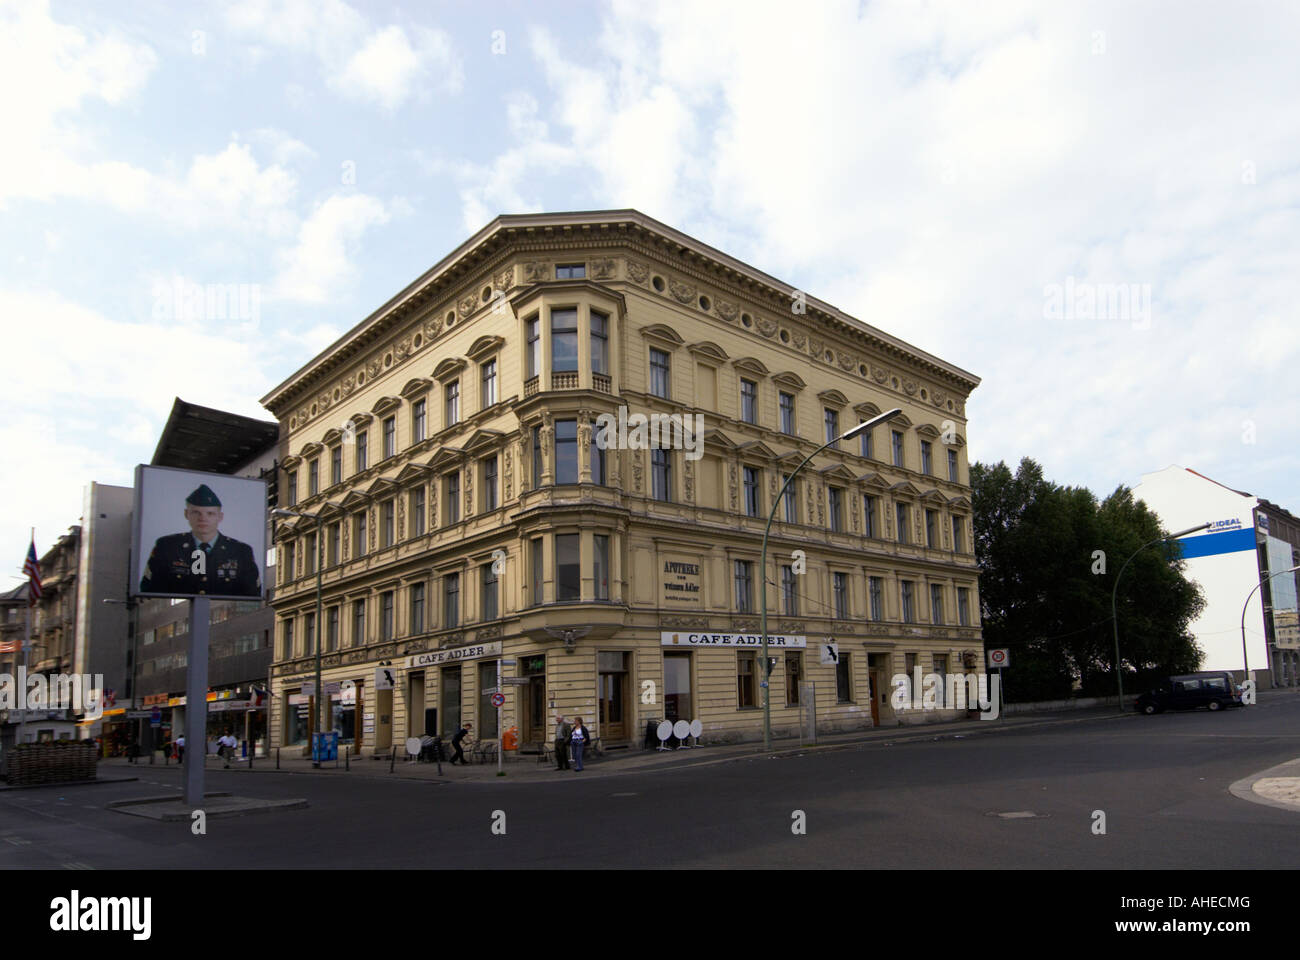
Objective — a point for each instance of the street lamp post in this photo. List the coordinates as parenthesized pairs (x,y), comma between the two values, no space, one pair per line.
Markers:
(767,700)
(316,640)
(1245,663)
(1114,592)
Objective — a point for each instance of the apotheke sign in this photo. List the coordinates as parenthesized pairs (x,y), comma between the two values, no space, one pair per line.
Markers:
(683,639)
(471,652)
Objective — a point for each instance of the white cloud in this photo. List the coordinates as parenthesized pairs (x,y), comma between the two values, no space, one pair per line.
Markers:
(319,264)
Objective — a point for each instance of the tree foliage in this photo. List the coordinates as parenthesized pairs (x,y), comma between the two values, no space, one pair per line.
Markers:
(1048,559)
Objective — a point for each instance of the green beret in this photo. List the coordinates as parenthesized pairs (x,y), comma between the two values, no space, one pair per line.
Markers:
(203,497)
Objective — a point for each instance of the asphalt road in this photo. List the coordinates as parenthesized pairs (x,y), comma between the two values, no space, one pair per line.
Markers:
(1161,781)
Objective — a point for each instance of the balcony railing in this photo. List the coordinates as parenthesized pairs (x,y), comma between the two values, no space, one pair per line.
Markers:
(530,386)
(600,381)
(564,381)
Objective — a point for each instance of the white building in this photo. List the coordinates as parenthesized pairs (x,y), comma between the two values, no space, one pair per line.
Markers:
(1249,538)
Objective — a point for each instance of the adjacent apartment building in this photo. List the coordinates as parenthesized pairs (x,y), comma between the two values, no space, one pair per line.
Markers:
(454,477)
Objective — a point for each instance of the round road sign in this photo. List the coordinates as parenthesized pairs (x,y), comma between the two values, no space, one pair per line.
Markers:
(997,658)
(498,699)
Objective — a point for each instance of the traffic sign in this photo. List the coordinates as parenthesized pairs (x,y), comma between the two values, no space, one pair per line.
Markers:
(1000,657)
(489,691)
(515,681)
(384,678)
(498,699)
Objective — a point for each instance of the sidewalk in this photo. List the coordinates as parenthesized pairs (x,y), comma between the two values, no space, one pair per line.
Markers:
(634,760)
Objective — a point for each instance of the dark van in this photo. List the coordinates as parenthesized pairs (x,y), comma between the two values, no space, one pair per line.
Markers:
(1215,690)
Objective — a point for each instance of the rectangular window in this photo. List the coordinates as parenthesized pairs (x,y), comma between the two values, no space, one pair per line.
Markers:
(936,603)
(335,540)
(451,600)
(832,418)
(940,668)
(566,451)
(309,635)
(840,590)
(533,334)
(876,590)
(359,535)
(963,606)
(313,477)
(386,524)
(897,439)
(600,566)
(291,483)
(386,615)
(564,340)
(568,568)
(597,459)
(909,613)
(952,465)
(744,587)
(288,639)
(745,684)
(599,343)
(490,484)
(659,373)
(570,271)
(751,491)
(869,516)
(958,535)
(310,555)
(452,396)
(331,629)
(336,465)
(390,437)
(931,529)
(417,512)
(489,581)
(789,596)
(661,474)
(835,506)
(787,413)
(793,673)
(791,501)
(537,570)
(359,623)
(488,385)
(867,450)
(900,519)
(537,457)
(363,452)
(749,401)
(419,421)
(927,466)
(453,498)
(417,609)
(844,679)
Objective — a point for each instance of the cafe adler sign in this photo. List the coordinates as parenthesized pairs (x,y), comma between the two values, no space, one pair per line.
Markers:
(678,638)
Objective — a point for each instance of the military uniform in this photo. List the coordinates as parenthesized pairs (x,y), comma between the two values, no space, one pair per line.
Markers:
(230,568)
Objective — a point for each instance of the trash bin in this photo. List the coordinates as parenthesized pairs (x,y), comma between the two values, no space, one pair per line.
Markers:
(651,733)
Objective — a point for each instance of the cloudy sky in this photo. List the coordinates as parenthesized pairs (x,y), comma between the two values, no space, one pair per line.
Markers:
(1091,206)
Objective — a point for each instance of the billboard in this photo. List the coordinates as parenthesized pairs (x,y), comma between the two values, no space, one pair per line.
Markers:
(198,534)
(1286,629)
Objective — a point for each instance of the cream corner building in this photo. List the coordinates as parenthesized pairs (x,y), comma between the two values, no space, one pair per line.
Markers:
(447,449)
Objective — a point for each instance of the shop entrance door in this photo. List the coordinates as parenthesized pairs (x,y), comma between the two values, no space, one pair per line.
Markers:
(534,723)
(383,720)
(450,701)
(873,681)
(613,696)
(677,687)
(416,725)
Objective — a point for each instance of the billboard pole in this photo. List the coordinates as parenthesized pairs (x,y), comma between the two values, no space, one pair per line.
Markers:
(196,702)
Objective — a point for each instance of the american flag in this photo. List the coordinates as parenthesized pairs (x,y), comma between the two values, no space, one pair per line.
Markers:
(32,568)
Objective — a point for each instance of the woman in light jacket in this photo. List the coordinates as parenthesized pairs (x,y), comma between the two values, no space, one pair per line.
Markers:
(578,739)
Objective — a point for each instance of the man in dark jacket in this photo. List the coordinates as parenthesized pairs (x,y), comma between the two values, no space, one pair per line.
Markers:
(456,740)
(562,733)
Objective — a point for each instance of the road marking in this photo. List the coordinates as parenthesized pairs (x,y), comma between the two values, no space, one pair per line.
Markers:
(622,794)
(17,841)
(74,865)
(1017,815)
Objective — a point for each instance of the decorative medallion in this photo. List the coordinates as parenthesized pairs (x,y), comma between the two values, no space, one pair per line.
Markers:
(682,292)
(433,326)
(817,347)
(324,401)
(727,311)
(504,279)
(909,387)
(638,271)
(372,369)
(937,397)
(700,622)
(799,341)
(536,270)
(401,349)
(466,305)
(847,361)
(767,327)
(879,374)
(603,269)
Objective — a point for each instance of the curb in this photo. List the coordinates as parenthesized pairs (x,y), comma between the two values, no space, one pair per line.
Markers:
(67,783)
(1243,789)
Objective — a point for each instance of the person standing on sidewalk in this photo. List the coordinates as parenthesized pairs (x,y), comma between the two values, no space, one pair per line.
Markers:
(456,740)
(580,737)
(562,733)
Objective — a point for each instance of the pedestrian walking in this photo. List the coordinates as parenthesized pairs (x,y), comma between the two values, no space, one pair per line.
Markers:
(562,733)
(579,738)
(456,740)
(226,746)
(180,749)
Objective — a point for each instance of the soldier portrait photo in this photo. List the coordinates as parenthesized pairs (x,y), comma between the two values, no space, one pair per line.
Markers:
(203,560)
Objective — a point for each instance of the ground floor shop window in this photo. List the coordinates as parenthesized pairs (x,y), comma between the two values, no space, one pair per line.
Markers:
(745,679)
(844,679)
(487,714)
(677,687)
(793,671)
(343,714)
(297,719)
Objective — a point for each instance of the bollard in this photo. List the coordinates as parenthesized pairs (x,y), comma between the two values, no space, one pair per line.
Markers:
(393,760)
(251,754)
(347,757)
(277,758)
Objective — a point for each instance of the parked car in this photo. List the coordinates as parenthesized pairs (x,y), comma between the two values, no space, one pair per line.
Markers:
(1213,689)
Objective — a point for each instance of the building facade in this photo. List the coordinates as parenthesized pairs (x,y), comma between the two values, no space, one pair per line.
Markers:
(472,514)
(1249,540)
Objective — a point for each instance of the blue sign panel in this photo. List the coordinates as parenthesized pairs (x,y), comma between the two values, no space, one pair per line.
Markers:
(325,746)
(1213,544)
